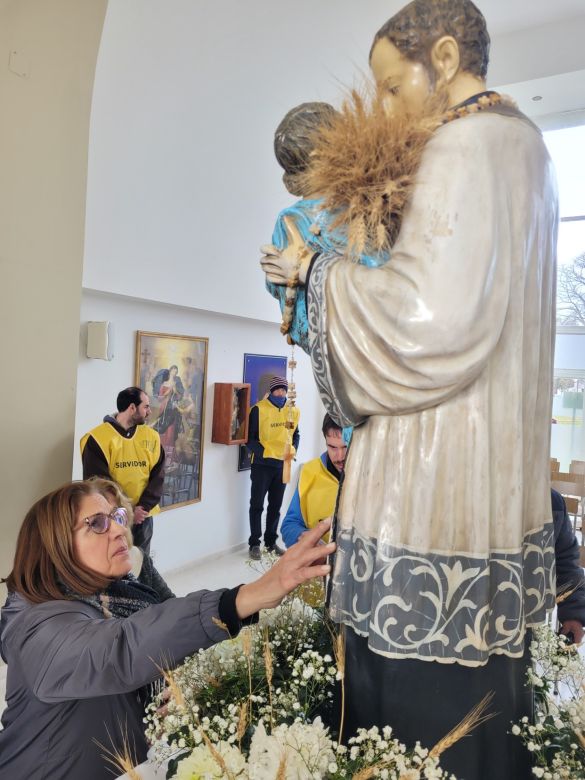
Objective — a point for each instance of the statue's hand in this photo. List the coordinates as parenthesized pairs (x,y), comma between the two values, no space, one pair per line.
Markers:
(275,264)
(290,265)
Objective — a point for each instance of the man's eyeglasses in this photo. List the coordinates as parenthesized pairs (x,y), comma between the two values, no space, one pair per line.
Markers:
(100,522)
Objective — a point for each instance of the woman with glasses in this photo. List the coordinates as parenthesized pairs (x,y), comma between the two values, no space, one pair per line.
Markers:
(83,638)
(143,567)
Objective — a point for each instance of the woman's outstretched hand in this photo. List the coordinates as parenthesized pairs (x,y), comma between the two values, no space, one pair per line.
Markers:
(301,562)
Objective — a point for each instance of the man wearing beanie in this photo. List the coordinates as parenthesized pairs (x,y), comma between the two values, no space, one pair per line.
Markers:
(271,428)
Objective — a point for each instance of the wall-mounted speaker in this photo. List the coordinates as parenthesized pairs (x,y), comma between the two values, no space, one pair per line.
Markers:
(100,340)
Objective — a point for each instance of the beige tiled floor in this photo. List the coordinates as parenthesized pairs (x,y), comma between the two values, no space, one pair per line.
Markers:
(225,570)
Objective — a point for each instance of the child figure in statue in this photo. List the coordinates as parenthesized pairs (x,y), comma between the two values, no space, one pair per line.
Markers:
(293,143)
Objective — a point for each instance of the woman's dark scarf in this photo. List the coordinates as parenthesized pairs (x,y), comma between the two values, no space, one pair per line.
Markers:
(121,599)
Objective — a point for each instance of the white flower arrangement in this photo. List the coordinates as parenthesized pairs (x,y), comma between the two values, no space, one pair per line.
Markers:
(556,739)
(256,708)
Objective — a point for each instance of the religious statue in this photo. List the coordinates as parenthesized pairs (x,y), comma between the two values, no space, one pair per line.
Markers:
(294,141)
(442,360)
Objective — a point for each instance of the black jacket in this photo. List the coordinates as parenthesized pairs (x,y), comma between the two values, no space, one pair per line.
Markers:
(569,571)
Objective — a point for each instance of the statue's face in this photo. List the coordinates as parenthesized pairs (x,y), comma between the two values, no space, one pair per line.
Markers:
(405,83)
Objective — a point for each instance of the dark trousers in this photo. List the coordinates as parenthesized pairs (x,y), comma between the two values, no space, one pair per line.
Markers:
(423,700)
(265,479)
(142,534)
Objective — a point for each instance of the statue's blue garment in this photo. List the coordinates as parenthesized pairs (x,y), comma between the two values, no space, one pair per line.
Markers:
(306,214)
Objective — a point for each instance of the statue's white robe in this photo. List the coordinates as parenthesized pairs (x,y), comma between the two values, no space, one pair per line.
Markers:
(443,361)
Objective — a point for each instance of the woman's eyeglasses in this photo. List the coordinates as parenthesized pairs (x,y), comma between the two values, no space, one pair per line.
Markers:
(100,522)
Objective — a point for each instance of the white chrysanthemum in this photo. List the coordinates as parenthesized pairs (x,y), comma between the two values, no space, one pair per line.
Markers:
(294,610)
(201,765)
(434,773)
(305,749)
(409,774)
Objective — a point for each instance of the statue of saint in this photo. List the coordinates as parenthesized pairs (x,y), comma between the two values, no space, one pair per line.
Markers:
(442,360)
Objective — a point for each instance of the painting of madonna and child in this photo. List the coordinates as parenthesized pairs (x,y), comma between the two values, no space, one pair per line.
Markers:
(172,370)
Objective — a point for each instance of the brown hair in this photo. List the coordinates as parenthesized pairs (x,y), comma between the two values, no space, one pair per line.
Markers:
(44,561)
(112,492)
(294,140)
(131,395)
(416,27)
(329,424)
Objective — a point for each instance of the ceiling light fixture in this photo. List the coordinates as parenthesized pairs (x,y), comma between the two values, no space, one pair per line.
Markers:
(536,98)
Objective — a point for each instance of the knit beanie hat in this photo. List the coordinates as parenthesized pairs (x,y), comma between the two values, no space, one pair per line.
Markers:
(278,381)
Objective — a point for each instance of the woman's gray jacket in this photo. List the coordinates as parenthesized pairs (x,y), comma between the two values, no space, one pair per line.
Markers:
(74,679)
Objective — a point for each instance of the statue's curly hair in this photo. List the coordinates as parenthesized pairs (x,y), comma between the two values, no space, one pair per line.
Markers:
(416,27)
(294,140)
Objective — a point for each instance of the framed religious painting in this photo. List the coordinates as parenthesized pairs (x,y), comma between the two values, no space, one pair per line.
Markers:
(172,370)
(258,371)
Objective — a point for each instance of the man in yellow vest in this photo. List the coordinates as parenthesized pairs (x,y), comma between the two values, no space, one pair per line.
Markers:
(129,452)
(273,434)
(316,493)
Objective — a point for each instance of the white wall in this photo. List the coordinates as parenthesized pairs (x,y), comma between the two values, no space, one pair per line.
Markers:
(188,93)
(48,54)
(537,52)
(182,174)
(220,520)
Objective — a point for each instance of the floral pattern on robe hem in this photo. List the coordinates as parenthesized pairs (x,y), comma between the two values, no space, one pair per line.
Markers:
(435,606)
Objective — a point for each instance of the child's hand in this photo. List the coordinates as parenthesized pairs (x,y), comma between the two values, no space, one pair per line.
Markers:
(289,266)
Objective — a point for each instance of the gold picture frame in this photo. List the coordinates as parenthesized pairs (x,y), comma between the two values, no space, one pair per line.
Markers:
(172,370)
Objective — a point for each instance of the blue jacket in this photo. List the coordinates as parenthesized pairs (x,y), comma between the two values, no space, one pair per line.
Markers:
(293,524)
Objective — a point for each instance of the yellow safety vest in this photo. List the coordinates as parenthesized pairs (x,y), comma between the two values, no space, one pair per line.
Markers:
(317,492)
(130,460)
(272,429)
